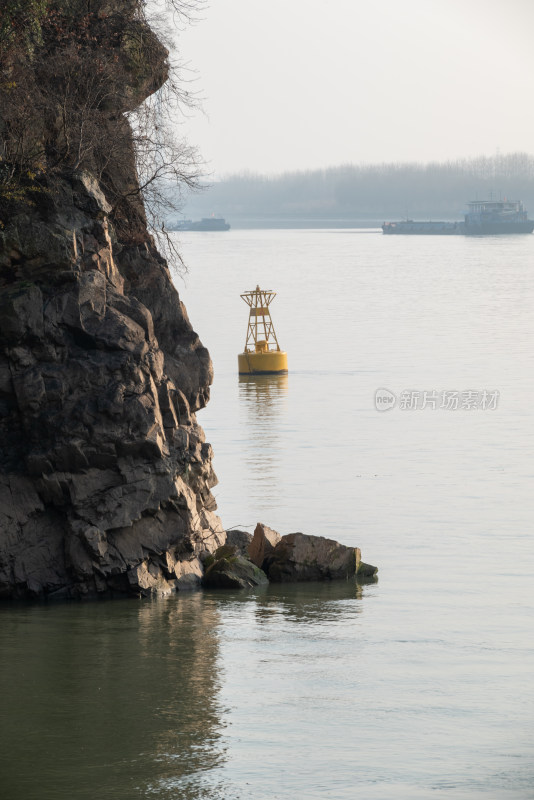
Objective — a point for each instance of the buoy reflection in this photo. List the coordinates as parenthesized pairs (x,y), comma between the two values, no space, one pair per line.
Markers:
(263,410)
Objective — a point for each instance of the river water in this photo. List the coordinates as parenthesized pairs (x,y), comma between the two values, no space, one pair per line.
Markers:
(418,686)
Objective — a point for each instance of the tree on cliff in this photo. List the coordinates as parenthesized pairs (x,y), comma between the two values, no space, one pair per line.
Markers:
(73,78)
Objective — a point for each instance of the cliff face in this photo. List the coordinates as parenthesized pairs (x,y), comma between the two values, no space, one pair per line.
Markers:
(105,475)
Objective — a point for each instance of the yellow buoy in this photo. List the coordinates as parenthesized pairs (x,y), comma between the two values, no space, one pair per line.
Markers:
(262,354)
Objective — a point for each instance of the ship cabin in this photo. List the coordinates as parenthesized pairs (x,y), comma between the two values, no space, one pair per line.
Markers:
(486,210)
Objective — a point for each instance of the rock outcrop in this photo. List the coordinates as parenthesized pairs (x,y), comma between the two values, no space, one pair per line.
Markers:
(294,557)
(300,557)
(245,562)
(105,475)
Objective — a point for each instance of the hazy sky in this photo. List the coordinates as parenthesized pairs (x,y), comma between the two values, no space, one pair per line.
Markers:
(296,84)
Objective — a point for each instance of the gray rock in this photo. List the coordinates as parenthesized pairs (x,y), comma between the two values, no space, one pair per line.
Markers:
(239,539)
(226,569)
(366,571)
(300,557)
(90,195)
(188,574)
(263,544)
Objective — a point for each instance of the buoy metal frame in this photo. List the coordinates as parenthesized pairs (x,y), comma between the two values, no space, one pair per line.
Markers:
(262,354)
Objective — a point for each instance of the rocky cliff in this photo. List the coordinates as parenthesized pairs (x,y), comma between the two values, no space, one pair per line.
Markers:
(105,474)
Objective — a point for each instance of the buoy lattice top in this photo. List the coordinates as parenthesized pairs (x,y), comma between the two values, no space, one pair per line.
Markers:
(260,331)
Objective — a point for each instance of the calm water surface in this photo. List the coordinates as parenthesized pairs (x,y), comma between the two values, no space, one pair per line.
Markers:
(420,686)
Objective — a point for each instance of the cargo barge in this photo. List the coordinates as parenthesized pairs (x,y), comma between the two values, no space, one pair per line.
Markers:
(205,224)
(484,217)
(410,227)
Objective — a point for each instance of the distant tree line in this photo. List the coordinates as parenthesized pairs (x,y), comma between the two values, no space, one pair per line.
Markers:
(375,192)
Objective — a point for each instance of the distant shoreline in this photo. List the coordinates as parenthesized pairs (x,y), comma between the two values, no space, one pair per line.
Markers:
(363,195)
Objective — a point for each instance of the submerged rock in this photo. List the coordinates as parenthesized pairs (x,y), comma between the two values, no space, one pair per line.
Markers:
(366,571)
(301,557)
(227,569)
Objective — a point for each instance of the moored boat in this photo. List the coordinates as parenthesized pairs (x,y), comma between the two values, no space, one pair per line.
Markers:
(205,224)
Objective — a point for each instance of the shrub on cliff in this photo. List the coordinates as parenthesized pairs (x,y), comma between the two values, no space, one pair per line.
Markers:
(76,80)
(20,24)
